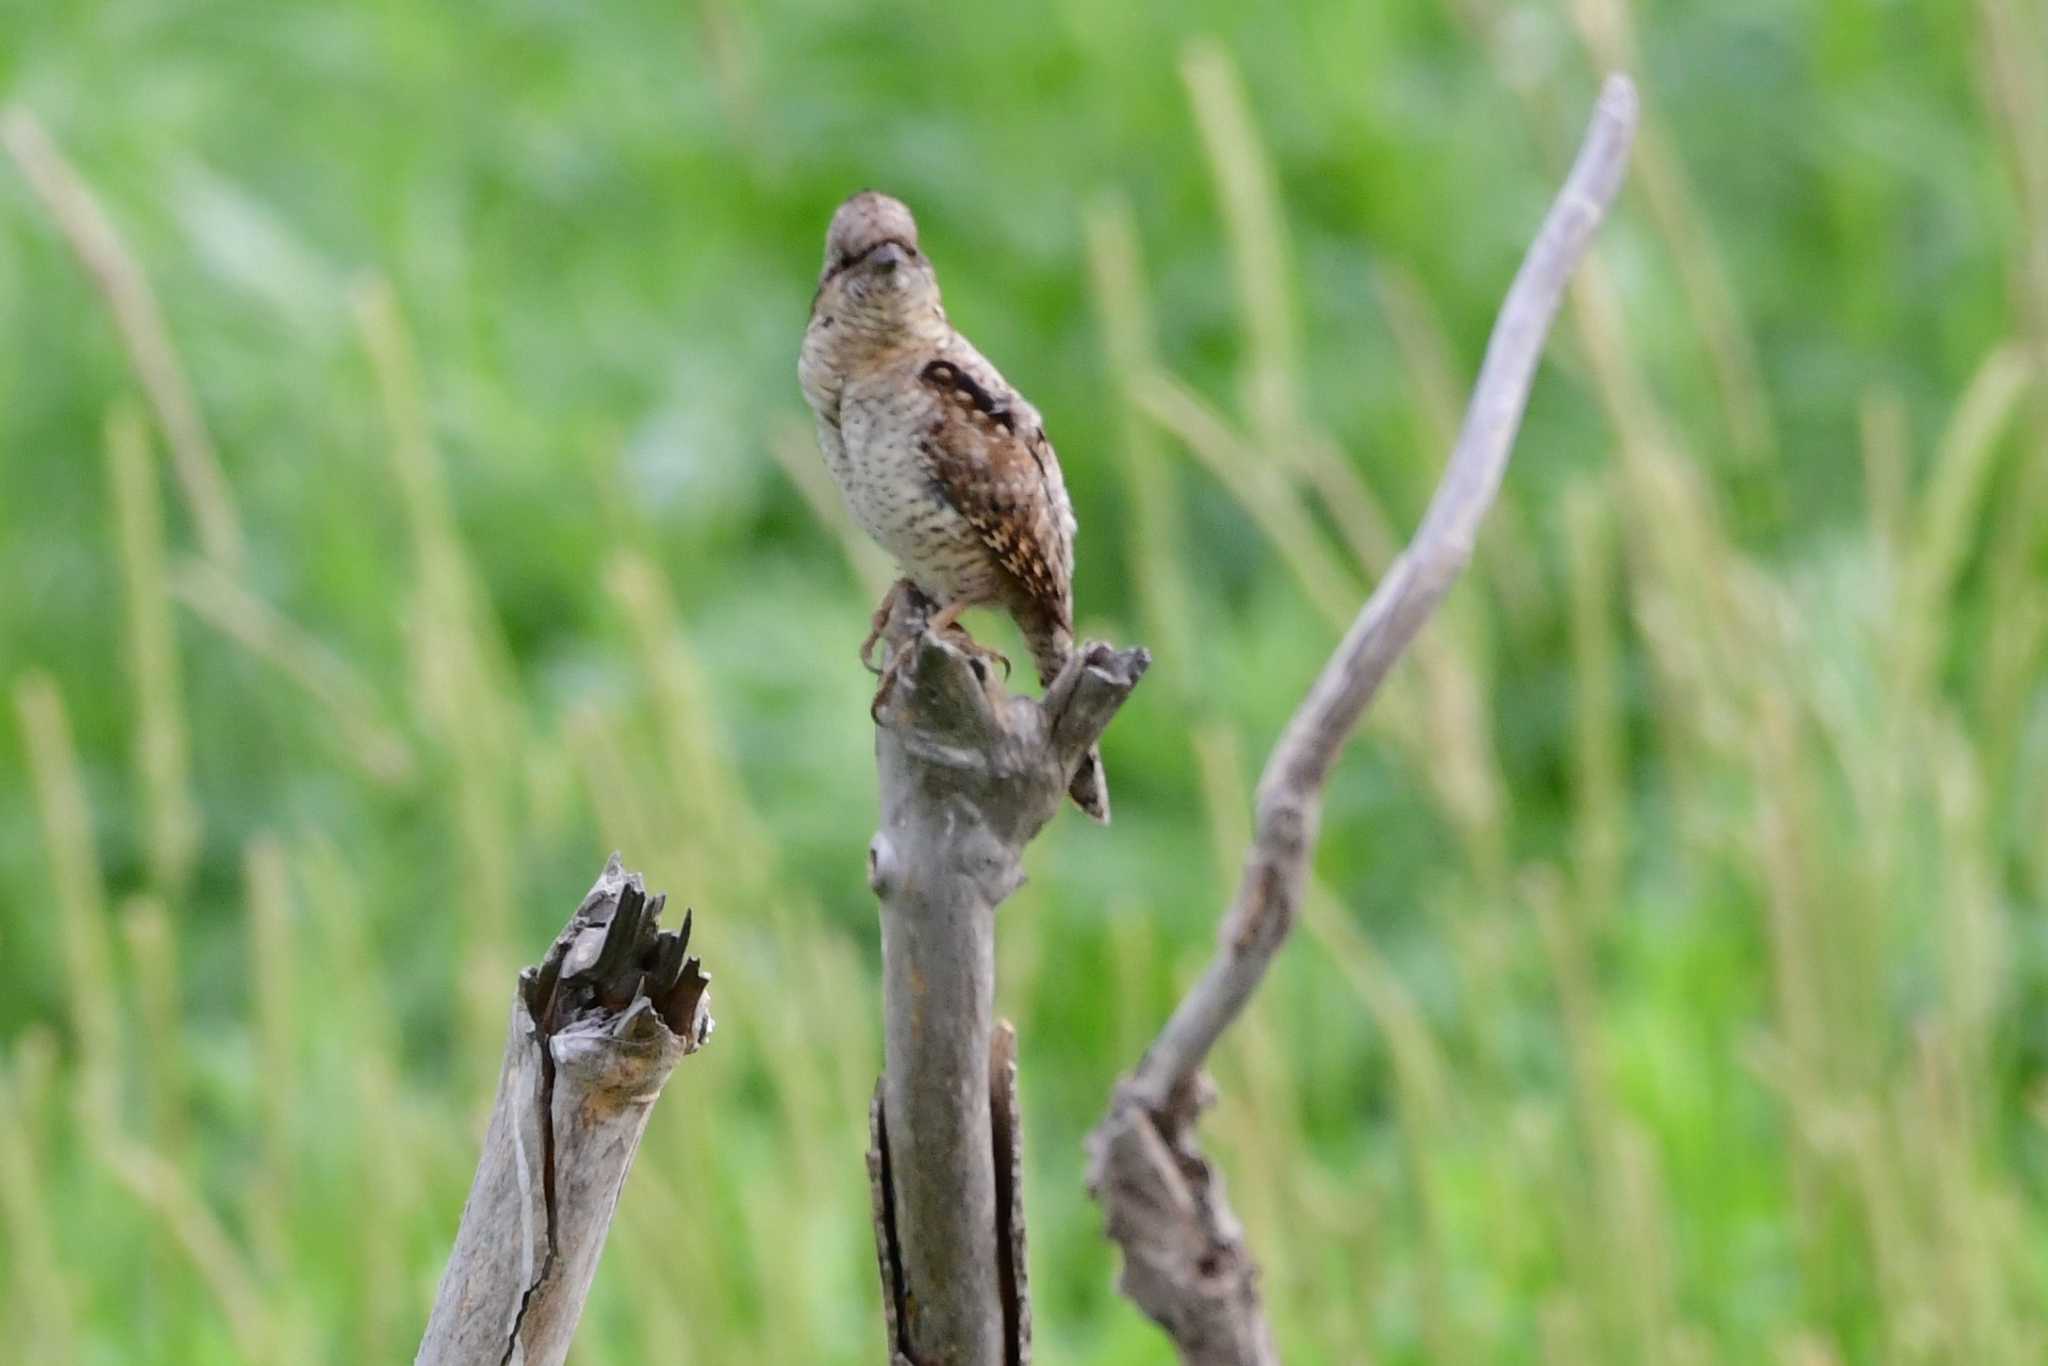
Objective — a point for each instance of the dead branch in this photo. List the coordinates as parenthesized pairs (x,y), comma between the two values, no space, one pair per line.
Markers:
(969,774)
(596,1028)
(1185,1263)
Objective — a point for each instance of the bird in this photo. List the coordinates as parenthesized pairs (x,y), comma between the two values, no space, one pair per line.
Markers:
(939,458)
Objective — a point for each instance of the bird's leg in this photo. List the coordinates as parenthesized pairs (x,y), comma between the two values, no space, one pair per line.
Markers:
(916,609)
(880,623)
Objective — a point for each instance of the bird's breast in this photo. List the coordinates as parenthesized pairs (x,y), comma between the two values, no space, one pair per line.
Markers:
(893,494)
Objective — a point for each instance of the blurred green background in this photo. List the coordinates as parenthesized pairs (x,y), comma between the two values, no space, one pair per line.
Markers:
(1674,989)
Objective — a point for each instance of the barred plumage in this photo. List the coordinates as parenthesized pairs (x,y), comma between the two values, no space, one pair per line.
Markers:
(940,460)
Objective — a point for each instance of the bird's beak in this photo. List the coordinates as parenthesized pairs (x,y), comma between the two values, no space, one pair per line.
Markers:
(888,256)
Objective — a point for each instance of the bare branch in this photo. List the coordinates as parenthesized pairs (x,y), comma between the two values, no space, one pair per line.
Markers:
(1185,1263)
(597,1026)
(969,774)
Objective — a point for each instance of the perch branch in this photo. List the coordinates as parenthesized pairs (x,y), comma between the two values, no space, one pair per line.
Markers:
(1185,1263)
(969,774)
(596,1028)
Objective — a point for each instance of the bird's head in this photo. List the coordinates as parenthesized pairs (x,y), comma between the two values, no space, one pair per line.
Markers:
(875,279)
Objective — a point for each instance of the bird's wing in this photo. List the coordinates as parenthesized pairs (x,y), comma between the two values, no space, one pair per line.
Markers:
(990,458)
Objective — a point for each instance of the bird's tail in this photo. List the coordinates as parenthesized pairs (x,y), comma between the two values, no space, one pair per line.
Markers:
(1052,645)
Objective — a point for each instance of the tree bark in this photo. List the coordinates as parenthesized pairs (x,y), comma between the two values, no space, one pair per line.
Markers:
(597,1026)
(1185,1262)
(969,774)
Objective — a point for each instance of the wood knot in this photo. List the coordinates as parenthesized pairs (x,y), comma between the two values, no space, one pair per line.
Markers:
(881,864)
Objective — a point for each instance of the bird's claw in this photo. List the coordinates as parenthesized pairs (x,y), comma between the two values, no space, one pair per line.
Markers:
(978,656)
(980,653)
(878,625)
(888,681)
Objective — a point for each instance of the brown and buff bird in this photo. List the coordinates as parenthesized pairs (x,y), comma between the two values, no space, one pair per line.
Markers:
(940,460)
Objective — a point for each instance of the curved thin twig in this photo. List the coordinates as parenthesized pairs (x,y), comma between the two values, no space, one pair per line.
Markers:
(1185,1264)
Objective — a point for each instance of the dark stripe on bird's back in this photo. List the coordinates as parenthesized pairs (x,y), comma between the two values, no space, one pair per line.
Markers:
(950,379)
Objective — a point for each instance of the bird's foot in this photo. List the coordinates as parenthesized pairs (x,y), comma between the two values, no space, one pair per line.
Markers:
(981,655)
(878,627)
(947,623)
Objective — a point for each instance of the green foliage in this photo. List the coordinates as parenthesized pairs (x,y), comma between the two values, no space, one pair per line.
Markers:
(1672,988)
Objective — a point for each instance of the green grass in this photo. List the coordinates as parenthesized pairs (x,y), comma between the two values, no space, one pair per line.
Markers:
(1672,988)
